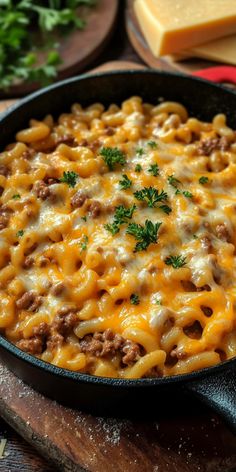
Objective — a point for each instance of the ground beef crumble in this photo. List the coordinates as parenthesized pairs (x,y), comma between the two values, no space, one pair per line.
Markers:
(104,344)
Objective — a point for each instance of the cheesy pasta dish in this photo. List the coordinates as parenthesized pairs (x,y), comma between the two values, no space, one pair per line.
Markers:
(117,234)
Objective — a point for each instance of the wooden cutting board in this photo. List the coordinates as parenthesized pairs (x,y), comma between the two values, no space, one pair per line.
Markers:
(193,440)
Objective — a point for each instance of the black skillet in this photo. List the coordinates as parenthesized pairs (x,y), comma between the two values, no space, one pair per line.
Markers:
(216,386)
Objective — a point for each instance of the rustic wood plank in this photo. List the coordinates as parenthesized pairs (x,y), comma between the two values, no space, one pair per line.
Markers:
(75,441)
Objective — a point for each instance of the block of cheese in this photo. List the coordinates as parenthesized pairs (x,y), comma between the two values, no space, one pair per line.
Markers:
(173,25)
(220,50)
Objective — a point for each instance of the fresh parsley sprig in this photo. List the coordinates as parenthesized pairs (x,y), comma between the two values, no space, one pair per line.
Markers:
(134,299)
(152,144)
(112,157)
(154,170)
(145,235)
(69,178)
(122,215)
(175,261)
(125,183)
(203,180)
(152,197)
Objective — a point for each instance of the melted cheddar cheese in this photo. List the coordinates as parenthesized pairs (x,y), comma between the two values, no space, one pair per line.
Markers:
(117,235)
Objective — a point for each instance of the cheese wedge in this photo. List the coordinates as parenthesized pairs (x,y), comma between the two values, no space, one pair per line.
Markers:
(220,50)
(173,25)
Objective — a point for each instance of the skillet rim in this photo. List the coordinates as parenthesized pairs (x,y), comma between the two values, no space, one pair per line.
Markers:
(88,378)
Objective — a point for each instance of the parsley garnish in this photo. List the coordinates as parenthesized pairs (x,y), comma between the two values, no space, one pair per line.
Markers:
(125,183)
(112,156)
(187,194)
(69,178)
(154,170)
(138,168)
(173,181)
(19,22)
(140,151)
(158,302)
(152,144)
(84,243)
(203,180)
(134,299)
(195,236)
(152,197)
(175,261)
(165,208)
(146,234)
(121,216)
(20,233)
(84,218)
(16,196)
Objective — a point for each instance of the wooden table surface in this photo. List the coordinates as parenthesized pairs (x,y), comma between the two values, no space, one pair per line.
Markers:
(19,456)
(16,455)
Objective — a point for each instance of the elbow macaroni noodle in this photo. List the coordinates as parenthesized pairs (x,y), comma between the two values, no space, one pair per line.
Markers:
(183,318)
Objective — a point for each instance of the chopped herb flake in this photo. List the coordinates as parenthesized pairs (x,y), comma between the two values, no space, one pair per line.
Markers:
(140,151)
(112,156)
(84,218)
(84,243)
(134,299)
(173,181)
(145,235)
(16,196)
(69,178)
(203,180)
(20,233)
(152,144)
(125,183)
(138,168)
(175,261)
(187,194)
(154,170)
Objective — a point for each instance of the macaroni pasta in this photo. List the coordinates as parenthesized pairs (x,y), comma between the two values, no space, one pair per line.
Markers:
(117,235)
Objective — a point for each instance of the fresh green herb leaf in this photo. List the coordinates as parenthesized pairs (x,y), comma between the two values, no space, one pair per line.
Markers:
(84,243)
(151,196)
(138,168)
(195,236)
(145,235)
(152,144)
(177,192)
(154,170)
(69,178)
(20,233)
(173,181)
(134,299)
(165,208)
(158,301)
(203,180)
(175,261)
(187,194)
(140,151)
(16,196)
(121,216)
(84,218)
(125,183)
(112,156)
(28,24)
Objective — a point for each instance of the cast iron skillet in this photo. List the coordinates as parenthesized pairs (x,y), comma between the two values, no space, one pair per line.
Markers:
(215,386)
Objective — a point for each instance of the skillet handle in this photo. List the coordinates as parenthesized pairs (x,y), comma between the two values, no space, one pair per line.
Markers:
(218,392)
